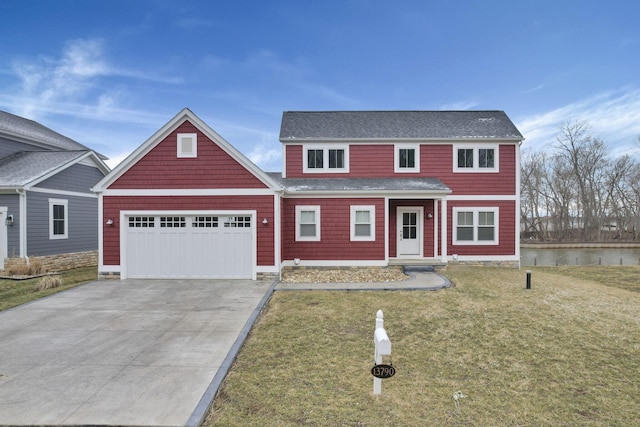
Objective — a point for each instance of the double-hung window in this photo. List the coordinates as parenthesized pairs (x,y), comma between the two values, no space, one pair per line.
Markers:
(326,158)
(407,158)
(58,219)
(475,158)
(475,226)
(308,223)
(363,223)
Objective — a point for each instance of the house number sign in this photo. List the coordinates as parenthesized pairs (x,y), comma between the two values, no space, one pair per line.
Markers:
(383,371)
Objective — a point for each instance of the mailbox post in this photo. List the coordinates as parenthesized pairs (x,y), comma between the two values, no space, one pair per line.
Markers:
(382,347)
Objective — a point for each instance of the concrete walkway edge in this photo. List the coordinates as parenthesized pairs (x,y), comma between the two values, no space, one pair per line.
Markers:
(206,401)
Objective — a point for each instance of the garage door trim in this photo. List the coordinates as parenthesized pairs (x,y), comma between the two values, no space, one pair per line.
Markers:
(124,215)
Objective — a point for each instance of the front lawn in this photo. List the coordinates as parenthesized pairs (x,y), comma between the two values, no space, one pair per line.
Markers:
(565,352)
(16,292)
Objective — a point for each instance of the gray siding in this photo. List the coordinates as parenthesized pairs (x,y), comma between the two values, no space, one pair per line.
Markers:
(82,225)
(78,178)
(12,202)
(9,147)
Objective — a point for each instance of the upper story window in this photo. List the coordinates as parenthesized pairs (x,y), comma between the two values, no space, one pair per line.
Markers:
(187,145)
(329,158)
(58,219)
(407,158)
(475,158)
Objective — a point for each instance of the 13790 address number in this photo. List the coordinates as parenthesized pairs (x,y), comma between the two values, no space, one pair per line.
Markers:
(383,371)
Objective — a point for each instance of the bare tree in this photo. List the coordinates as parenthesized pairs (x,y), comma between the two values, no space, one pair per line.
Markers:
(578,191)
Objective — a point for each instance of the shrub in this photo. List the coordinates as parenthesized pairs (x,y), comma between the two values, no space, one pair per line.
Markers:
(48,282)
(33,268)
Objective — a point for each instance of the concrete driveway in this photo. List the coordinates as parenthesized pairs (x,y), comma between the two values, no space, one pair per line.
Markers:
(131,352)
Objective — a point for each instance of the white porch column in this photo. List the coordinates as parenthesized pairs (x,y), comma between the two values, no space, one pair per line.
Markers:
(443,212)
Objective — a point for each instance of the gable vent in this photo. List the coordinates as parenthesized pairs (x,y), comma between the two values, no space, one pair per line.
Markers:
(187,145)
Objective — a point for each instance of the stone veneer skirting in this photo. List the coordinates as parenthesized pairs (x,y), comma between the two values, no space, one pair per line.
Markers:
(60,262)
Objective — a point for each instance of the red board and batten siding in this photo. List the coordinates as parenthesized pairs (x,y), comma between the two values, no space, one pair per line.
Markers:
(436,161)
(262,204)
(506,231)
(162,169)
(335,231)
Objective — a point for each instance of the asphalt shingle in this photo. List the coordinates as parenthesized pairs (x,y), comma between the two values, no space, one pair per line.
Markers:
(390,125)
(25,167)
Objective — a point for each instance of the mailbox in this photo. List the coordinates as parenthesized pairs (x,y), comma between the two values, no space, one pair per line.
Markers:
(381,341)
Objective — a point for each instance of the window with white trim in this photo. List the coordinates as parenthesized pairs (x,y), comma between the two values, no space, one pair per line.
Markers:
(58,219)
(308,223)
(363,223)
(187,145)
(475,226)
(325,158)
(406,158)
(475,158)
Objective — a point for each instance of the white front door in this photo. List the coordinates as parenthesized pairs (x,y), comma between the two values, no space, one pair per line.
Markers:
(409,231)
(3,236)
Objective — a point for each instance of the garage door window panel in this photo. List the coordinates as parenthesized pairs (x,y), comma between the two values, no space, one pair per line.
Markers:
(173,222)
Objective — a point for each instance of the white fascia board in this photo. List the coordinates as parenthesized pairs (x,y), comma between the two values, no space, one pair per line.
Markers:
(190,192)
(53,191)
(483,197)
(379,141)
(184,115)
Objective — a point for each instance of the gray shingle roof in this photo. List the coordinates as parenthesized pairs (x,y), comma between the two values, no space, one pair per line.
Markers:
(11,124)
(379,185)
(371,125)
(22,168)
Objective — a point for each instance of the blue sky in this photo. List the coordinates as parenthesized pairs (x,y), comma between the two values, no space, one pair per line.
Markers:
(110,73)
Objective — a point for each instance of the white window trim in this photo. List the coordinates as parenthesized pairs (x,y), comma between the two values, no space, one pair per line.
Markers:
(396,158)
(372,212)
(325,158)
(475,241)
(180,152)
(476,158)
(299,210)
(65,203)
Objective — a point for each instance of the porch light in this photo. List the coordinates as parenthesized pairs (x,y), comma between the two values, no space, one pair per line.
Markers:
(429,215)
(265,221)
(9,220)
(109,222)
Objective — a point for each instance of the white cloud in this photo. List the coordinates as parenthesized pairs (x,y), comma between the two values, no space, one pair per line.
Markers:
(613,116)
(267,158)
(72,84)
(461,105)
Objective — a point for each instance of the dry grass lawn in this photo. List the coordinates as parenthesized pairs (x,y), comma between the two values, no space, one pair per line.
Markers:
(16,292)
(566,352)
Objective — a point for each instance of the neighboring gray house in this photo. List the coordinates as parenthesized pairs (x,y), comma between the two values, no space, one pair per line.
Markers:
(47,208)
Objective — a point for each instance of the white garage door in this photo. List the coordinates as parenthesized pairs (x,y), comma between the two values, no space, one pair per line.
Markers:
(189,246)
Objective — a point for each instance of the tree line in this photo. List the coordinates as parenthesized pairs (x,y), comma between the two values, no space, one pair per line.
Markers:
(578,191)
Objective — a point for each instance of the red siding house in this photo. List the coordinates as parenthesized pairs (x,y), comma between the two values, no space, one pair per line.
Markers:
(358,188)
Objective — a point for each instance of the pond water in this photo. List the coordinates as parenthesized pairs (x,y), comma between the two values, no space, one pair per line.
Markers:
(579,256)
